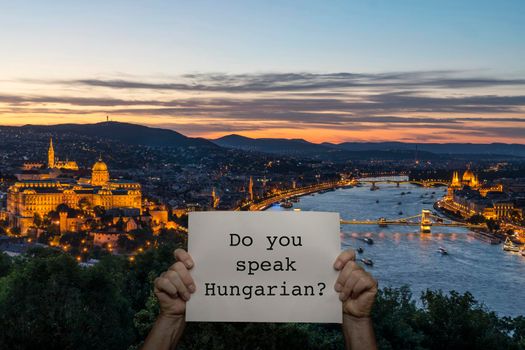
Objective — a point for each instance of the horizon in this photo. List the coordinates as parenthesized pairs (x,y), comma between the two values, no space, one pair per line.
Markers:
(324,72)
(260,138)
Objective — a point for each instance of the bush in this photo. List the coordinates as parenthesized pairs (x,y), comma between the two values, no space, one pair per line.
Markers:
(48,300)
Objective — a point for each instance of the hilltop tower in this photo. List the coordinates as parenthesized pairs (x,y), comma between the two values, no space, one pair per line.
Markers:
(50,155)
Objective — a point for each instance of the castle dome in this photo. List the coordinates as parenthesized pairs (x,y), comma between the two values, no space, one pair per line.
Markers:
(100,166)
(99,174)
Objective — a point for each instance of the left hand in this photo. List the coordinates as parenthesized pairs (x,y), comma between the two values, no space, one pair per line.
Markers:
(357,288)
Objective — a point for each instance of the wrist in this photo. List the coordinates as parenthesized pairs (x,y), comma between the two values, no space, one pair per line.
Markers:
(171,317)
(356,319)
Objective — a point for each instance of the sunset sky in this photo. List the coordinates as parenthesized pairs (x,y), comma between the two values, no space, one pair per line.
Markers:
(415,71)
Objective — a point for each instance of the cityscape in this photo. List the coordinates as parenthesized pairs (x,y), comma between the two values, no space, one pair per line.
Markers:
(396,126)
(89,208)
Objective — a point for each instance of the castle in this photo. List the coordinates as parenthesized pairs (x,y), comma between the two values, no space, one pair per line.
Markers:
(27,198)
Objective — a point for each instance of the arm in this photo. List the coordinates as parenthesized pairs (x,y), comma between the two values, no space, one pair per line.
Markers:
(173,289)
(357,290)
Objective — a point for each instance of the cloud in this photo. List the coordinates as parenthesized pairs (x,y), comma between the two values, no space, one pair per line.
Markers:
(443,101)
(292,82)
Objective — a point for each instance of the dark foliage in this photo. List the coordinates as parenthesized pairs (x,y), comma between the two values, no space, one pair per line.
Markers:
(48,301)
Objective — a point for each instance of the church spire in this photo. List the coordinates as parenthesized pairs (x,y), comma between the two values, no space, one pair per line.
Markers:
(51,155)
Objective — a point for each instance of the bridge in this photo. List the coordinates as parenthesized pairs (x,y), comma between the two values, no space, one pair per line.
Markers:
(400,180)
(425,221)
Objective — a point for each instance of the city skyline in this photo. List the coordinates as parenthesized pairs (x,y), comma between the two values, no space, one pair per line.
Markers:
(412,72)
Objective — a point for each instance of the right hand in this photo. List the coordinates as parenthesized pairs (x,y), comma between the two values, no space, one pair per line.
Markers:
(174,287)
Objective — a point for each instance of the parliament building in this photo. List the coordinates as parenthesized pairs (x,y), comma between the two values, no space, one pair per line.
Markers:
(29,197)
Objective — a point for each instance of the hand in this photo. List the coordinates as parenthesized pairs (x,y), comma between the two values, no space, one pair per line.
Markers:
(174,287)
(356,287)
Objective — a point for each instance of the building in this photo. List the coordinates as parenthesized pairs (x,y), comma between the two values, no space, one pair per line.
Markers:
(54,163)
(27,198)
(469,197)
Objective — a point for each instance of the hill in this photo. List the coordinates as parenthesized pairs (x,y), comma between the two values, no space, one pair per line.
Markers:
(127,133)
(394,150)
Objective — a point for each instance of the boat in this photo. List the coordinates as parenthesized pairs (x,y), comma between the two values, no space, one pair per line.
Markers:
(509,246)
(360,250)
(295,199)
(398,203)
(442,251)
(400,213)
(382,222)
(287,204)
(402,193)
(377,201)
(367,262)
(368,240)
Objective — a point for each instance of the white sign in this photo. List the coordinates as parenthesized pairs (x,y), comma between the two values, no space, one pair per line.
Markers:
(264,267)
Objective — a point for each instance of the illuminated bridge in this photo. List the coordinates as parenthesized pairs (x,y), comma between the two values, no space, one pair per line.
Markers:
(425,221)
(397,180)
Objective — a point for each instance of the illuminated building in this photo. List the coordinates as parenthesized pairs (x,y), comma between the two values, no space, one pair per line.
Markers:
(469,197)
(29,197)
(54,163)
(250,189)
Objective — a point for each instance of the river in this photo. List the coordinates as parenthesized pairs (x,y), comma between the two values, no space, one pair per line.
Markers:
(402,256)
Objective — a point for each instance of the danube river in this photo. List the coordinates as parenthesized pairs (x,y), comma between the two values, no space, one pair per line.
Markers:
(402,256)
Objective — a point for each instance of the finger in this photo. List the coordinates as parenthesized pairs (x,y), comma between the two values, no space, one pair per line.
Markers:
(174,278)
(182,255)
(343,258)
(163,285)
(345,274)
(184,275)
(354,277)
(366,282)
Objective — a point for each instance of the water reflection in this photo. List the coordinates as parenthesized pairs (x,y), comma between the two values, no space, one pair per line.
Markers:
(402,255)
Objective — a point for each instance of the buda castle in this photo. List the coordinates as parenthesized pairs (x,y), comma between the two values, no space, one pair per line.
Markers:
(40,196)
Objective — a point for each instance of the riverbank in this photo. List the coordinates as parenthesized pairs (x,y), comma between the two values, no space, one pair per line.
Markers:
(299,192)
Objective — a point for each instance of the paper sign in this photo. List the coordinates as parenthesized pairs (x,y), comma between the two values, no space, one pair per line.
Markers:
(264,267)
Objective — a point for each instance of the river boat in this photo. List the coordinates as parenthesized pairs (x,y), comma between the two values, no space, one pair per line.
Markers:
(400,213)
(382,222)
(442,251)
(377,200)
(398,203)
(287,204)
(360,250)
(509,246)
(295,199)
(402,193)
(367,262)
(368,240)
